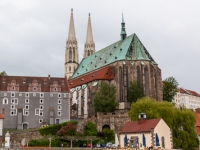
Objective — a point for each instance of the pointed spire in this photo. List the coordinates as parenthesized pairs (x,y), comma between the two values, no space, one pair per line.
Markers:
(89,38)
(71,34)
(89,44)
(123,30)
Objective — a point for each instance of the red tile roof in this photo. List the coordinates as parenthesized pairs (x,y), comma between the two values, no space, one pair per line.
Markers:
(44,82)
(190,92)
(135,127)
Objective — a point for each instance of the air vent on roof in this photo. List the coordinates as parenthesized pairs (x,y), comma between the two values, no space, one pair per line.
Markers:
(82,66)
(105,61)
(115,57)
(82,79)
(92,75)
(91,62)
(77,73)
(100,58)
(95,56)
(114,46)
(95,65)
(86,69)
(120,49)
(110,54)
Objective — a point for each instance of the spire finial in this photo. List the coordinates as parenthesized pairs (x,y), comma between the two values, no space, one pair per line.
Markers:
(123,30)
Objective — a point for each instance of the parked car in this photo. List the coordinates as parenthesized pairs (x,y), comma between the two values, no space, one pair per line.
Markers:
(109,144)
(89,145)
(83,145)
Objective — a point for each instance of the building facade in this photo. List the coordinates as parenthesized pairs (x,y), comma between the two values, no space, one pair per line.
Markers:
(120,63)
(145,133)
(29,102)
(187,98)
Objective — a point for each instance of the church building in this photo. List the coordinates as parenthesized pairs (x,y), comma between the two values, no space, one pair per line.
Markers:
(118,64)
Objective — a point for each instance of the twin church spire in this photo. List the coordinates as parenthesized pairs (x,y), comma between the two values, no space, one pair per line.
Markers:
(71,53)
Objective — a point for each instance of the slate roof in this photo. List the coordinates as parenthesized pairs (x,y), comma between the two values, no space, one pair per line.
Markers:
(130,48)
(45,82)
(135,127)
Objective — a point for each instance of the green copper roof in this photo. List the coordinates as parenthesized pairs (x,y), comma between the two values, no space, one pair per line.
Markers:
(129,49)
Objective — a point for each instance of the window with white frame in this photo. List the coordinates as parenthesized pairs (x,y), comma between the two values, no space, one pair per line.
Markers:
(12,94)
(13,88)
(13,111)
(37,111)
(41,113)
(12,106)
(12,100)
(59,107)
(59,113)
(26,113)
(5,101)
(55,89)
(16,100)
(41,107)
(42,95)
(59,95)
(26,100)
(41,101)
(34,94)
(57,121)
(20,94)
(59,101)
(26,94)
(40,120)
(27,107)
(34,89)
(65,95)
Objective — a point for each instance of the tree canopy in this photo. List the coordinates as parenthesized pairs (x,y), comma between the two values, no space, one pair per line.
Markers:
(169,88)
(90,129)
(181,121)
(104,98)
(3,73)
(135,91)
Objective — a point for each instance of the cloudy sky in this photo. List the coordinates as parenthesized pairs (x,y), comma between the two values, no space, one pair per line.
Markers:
(33,34)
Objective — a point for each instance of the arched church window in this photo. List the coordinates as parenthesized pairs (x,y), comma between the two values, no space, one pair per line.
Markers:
(88,53)
(127,79)
(70,53)
(69,68)
(73,53)
(155,83)
(138,73)
(120,84)
(146,78)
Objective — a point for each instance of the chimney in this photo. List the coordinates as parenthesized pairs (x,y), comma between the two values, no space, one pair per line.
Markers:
(142,117)
(49,76)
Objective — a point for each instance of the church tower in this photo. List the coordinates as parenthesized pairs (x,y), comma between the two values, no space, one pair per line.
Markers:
(89,44)
(71,53)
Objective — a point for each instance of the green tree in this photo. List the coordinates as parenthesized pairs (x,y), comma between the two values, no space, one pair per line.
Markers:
(181,121)
(169,88)
(104,98)
(3,73)
(135,91)
(108,135)
(90,129)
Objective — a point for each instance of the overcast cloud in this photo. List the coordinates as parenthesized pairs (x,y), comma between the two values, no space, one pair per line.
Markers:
(33,34)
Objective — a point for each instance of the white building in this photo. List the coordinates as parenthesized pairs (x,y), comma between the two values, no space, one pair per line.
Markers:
(187,98)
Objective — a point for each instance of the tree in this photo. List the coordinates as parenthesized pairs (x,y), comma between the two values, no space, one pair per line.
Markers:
(108,135)
(90,129)
(181,121)
(104,98)
(169,89)
(135,91)
(3,73)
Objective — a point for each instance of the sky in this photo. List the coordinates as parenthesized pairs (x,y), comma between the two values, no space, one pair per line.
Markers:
(33,34)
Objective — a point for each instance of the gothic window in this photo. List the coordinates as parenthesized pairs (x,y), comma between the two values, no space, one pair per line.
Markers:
(120,84)
(127,79)
(138,73)
(88,53)
(69,68)
(73,53)
(146,77)
(155,83)
(70,53)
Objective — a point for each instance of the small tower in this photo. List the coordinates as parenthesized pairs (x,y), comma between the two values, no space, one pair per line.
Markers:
(7,140)
(123,30)
(1,125)
(71,53)
(89,44)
